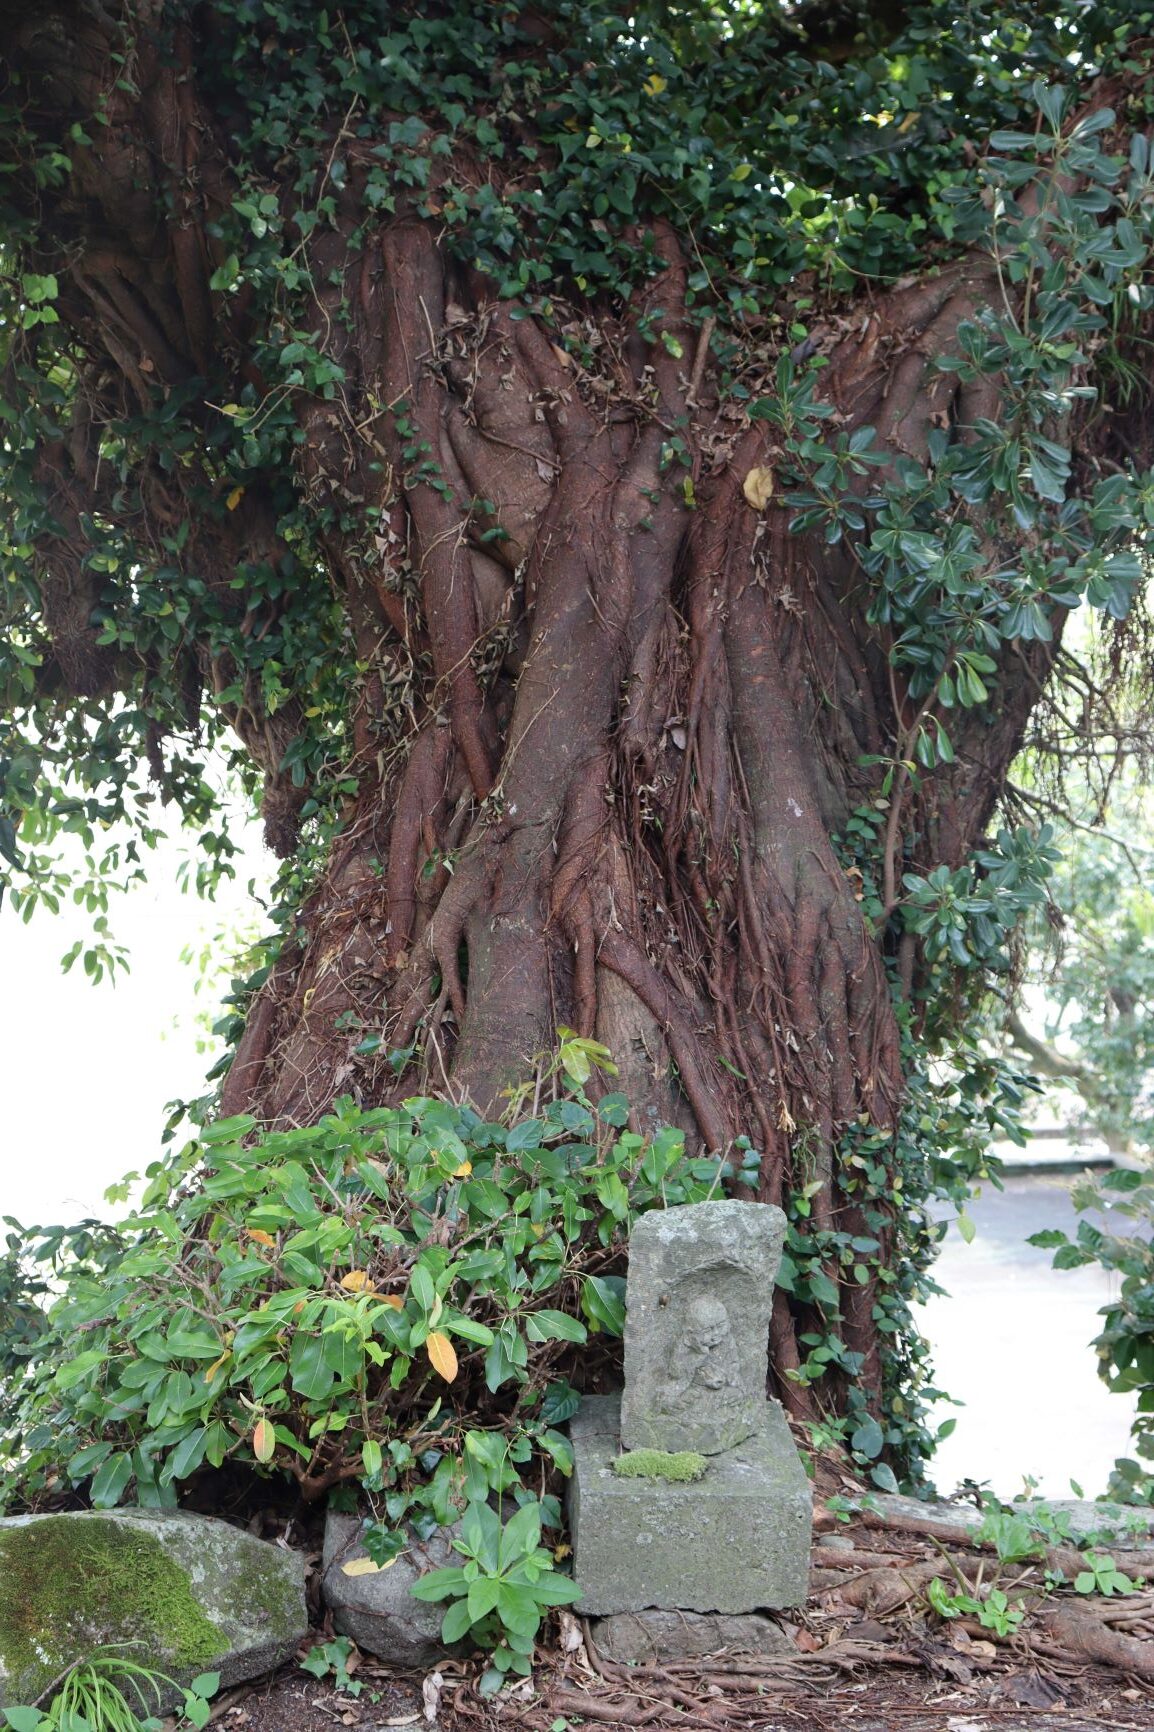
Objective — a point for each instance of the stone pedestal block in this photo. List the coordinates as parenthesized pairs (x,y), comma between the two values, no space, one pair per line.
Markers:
(736,1541)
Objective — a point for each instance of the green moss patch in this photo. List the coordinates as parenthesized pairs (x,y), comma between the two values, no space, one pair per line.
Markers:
(256,1592)
(69,1585)
(682,1466)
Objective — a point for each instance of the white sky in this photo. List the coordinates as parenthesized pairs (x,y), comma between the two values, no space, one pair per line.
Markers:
(86,1071)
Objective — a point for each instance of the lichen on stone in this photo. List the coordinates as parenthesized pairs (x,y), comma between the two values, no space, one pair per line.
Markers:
(256,1595)
(681,1466)
(68,1586)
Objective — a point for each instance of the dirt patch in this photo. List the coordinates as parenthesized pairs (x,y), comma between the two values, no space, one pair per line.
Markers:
(292,1701)
(718,1694)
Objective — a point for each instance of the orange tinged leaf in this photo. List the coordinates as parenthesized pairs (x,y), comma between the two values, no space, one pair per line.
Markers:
(358,1281)
(212,1370)
(261,1237)
(441,1355)
(235,498)
(395,1300)
(263,1440)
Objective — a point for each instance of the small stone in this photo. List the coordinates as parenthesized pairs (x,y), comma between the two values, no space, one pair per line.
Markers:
(634,1637)
(183,1593)
(378,1611)
(698,1300)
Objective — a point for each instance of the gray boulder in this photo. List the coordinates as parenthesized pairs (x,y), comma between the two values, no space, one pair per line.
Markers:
(378,1610)
(182,1593)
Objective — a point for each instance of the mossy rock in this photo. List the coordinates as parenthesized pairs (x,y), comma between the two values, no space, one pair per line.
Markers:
(184,1593)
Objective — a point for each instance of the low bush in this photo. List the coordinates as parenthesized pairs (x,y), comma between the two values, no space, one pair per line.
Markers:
(402,1298)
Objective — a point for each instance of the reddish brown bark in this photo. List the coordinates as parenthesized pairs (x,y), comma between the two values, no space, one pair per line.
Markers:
(633,717)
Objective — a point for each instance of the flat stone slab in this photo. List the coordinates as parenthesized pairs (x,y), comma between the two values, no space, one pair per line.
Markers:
(1115,1524)
(378,1611)
(736,1541)
(187,1593)
(632,1638)
(698,1301)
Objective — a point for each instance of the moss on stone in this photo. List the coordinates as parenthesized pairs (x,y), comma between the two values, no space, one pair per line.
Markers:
(257,1594)
(70,1585)
(681,1466)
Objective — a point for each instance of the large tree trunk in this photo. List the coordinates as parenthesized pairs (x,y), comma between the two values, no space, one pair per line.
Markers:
(610,714)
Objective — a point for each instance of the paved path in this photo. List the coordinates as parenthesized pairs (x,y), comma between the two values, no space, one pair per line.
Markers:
(1012,1342)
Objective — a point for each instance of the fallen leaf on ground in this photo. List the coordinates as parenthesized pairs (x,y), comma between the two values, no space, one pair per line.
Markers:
(758,488)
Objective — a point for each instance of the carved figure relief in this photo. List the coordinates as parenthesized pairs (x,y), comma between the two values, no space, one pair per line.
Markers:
(705,1364)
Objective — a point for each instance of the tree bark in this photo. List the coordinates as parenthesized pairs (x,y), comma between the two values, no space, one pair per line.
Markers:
(609,714)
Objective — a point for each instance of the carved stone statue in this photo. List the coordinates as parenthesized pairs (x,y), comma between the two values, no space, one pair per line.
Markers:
(735,1538)
(697,1325)
(704,1395)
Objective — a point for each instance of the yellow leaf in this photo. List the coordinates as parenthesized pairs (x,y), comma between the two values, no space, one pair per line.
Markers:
(365,1567)
(259,1234)
(654,84)
(463,1171)
(358,1281)
(263,1440)
(441,1355)
(235,498)
(742,171)
(758,488)
(395,1300)
(212,1370)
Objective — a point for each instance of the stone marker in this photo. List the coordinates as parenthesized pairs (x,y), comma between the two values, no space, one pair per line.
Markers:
(187,1594)
(697,1325)
(698,1299)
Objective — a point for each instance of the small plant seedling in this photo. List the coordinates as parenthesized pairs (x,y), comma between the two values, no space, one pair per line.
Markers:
(949,1604)
(994,1612)
(681,1467)
(997,1614)
(503,1591)
(1101,1576)
(1013,1535)
(331,1660)
(92,1698)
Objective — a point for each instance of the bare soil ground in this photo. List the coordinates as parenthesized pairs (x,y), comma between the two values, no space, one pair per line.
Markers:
(1018,1696)
(868,1653)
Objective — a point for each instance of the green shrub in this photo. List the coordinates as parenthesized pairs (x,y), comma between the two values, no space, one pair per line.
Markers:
(398,1297)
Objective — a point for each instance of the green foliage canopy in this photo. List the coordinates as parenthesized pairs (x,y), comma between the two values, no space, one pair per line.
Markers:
(546,147)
